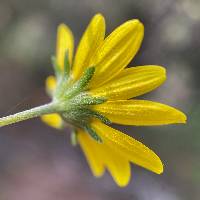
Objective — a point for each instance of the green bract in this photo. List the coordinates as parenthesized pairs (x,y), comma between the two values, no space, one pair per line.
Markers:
(72,100)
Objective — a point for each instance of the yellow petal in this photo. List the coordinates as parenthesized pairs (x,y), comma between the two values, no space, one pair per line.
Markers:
(117,51)
(91,39)
(130,148)
(92,153)
(117,165)
(132,82)
(53,120)
(100,156)
(65,41)
(140,112)
(50,84)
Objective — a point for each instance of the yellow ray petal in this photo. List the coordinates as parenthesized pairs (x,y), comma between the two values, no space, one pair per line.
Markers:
(54,120)
(50,84)
(65,41)
(140,112)
(130,148)
(92,153)
(100,155)
(90,41)
(117,165)
(132,82)
(117,51)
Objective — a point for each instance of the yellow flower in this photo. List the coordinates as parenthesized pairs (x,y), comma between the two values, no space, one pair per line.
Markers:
(105,147)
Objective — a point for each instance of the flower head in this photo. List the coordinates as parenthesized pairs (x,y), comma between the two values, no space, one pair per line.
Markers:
(92,89)
(104,97)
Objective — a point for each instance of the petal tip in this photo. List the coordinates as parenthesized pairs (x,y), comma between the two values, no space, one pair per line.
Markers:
(141,25)
(183,118)
(53,120)
(99,16)
(180,117)
(161,71)
(98,174)
(157,68)
(136,22)
(123,183)
(164,73)
(62,26)
(160,167)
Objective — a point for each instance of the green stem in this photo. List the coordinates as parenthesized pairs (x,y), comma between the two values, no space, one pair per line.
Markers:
(28,114)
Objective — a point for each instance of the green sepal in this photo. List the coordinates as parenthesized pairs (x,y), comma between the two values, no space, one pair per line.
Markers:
(86,99)
(76,118)
(102,118)
(63,78)
(73,138)
(83,115)
(81,84)
(67,67)
(87,76)
(56,67)
(93,134)
(94,114)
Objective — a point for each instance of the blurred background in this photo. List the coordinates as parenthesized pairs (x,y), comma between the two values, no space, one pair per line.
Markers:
(38,162)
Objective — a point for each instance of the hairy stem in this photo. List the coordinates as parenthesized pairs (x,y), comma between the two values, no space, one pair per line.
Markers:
(28,114)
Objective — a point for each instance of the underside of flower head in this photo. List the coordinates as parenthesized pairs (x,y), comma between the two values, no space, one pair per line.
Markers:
(93,88)
(97,91)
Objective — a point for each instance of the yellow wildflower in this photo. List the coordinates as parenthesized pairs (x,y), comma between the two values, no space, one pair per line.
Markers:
(110,56)
(93,89)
